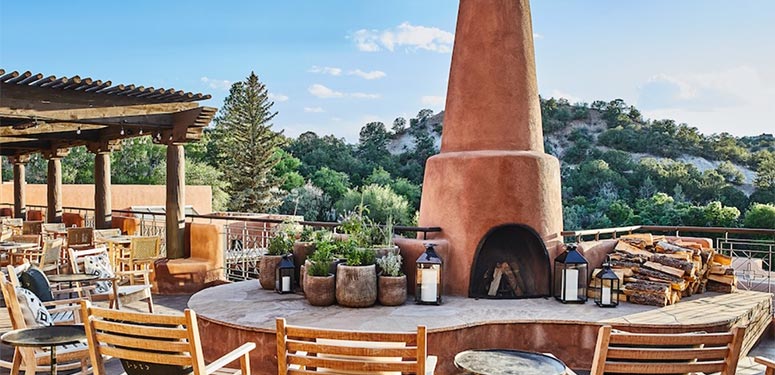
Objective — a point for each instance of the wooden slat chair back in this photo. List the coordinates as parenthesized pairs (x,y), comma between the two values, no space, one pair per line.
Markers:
(51,257)
(38,359)
(645,353)
(54,227)
(101,234)
(32,227)
(143,251)
(32,254)
(303,350)
(121,294)
(26,238)
(160,339)
(80,238)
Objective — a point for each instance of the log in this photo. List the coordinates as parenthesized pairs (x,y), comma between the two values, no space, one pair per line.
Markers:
(624,247)
(666,269)
(648,299)
(644,238)
(667,247)
(511,278)
(690,245)
(723,279)
(646,287)
(592,293)
(496,282)
(684,265)
(723,260)
(518,275)
(681,256)
(624,264)
(658,275)
(718,269)
(713,286)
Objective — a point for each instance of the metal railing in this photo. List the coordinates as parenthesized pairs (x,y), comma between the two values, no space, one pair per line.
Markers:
(751,249)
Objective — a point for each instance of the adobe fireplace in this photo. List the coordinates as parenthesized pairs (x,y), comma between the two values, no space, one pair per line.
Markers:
(492,189)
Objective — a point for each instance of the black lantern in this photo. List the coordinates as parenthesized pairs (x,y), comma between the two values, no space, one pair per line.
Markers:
(428,277)
(607,285)
(285,275)
(570,276)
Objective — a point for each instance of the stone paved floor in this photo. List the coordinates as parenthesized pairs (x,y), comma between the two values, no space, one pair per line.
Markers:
(175,304)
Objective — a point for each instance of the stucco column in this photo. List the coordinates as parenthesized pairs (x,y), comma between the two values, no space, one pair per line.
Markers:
(54,180)
(19,186)
(176,200)
(102,209)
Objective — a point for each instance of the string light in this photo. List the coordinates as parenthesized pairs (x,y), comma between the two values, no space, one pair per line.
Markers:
(78,131)
(141,131)
(122,130)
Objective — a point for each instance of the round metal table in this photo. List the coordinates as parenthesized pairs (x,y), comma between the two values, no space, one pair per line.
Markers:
(508,362)
(50,336)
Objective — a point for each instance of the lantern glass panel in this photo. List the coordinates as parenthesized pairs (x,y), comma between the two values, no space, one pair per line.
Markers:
(428,277)
(285,276)
(607,284)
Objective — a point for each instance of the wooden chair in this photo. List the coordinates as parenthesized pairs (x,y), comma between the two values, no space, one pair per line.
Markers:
(33,254)
(143,251)
(302,350)
(14,224)
(69,357)
(648,353)
(51,256)
(120,294)
(32,227)
(61,309)
(160,339)
(80,238)
(768,363)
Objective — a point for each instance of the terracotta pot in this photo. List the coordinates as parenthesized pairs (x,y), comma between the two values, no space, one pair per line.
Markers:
(301,250)
(356,286)
(320,290)
(392,290)
(267,269)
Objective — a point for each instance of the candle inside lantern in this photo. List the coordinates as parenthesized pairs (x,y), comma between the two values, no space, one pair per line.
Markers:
(571,285)
(606,296)
(286,284)
(429,285)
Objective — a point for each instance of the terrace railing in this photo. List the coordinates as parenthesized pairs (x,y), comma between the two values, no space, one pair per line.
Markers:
(752,248)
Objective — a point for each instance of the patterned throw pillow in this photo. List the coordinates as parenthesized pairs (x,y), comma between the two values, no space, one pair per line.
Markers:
(99,265)
(35,314)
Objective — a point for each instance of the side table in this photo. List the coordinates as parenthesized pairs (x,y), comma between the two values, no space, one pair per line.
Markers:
(51,336)
(508,361)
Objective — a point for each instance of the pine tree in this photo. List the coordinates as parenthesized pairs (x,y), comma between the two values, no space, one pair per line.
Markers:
(246,146)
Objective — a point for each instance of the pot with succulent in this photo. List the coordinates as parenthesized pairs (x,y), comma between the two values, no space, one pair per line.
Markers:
(319,284)
(392,282)
(280,245)
(356,280)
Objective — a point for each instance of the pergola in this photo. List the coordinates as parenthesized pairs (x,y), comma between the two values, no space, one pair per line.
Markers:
(50,114)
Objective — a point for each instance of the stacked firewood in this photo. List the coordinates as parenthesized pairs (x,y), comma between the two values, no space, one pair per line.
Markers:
(657,271)
(722,276)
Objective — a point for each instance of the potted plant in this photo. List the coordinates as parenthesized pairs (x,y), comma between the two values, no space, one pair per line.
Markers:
(319,284)
(280,244)
(356,280)
(392,282)
(368,234)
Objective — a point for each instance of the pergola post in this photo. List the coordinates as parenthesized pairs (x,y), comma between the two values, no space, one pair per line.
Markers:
(176,200)
(54,181)
(102,208)
(19,186)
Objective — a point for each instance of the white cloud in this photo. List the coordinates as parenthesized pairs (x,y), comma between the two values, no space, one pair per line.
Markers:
(374,74)
(218,84)
(325,70)
(537,36)
(324,92)
(314,110)
(433,100)
(557,94)
(278,97)
(735,100)
(405,35)
(360,95)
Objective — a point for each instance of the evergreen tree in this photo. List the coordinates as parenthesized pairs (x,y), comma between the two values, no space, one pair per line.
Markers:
(247,145)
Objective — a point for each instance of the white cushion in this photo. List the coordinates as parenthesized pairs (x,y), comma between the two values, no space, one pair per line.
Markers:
(99,265)
(35,314)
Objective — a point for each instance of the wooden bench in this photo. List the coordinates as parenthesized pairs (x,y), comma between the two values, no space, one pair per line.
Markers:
(302,350)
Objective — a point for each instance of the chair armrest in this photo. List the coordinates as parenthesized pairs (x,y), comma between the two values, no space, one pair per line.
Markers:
(430,364)
(765,361)
(230,357)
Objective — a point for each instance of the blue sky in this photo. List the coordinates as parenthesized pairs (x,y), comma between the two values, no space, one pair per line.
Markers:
(334,65)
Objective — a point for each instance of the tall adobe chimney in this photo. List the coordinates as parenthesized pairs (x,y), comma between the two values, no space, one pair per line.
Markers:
(492,171)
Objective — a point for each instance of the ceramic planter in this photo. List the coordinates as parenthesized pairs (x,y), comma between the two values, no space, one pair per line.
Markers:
(266,270)
(383,250)
(320,290)
(356,286)
(301,250)
(392,290)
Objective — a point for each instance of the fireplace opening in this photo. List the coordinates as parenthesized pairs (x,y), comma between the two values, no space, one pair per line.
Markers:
(511,261)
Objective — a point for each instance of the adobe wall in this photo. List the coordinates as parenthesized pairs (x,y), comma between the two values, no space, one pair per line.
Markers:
(123,196)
